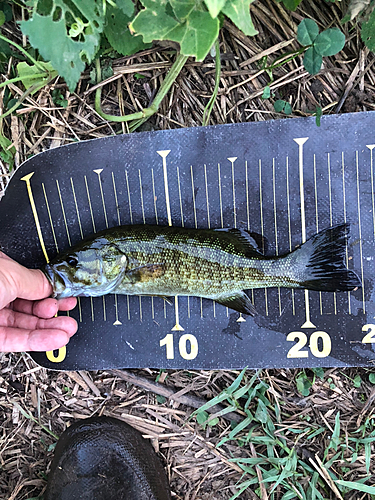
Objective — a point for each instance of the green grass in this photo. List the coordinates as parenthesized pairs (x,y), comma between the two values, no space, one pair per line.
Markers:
(291,456)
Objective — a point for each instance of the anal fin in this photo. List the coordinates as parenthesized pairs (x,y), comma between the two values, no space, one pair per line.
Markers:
(239,302)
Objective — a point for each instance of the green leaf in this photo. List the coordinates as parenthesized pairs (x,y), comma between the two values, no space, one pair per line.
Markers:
(329,42)
(287,109)
(335,439)
(307,31)
(118,34)
(213,422)
(126,6)
(2,18)
(261,413)
(279,106)
(5,48)
(58,99)
(197,35)
(6,8)
(371,378)
(238,12)
(30,74)
(266,92)
(201,417)
(303,384)
(319,372)
(312,61)
(215,6)
(318,115)
(291,4)
(357,381)
(7,154)
(357,486)
(67,55)
(237,381)
(368,32)
(153,22)
(182,8)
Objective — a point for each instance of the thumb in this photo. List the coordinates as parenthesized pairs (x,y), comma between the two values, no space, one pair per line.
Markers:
(17,281)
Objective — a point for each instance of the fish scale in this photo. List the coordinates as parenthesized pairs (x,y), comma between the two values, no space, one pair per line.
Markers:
(215,264)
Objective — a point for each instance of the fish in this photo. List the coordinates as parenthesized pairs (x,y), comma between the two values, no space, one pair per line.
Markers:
(217,264)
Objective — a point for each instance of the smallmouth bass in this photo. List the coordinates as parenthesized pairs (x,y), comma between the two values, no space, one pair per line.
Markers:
(217,264)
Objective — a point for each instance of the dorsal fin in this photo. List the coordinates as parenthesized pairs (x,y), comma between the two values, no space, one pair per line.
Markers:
(260,240)
(244,242)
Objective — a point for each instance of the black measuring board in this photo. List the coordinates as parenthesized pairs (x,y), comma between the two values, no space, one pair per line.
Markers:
(286,179)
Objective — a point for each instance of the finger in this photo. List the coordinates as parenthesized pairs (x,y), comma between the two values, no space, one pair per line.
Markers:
(14,319)
(17,340)
(67,304)
(17,281)
(46,308)
(4,256)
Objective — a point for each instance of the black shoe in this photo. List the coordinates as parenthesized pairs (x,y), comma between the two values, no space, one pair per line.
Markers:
(102,458)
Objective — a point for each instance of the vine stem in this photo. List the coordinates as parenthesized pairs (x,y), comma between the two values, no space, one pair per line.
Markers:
(211,102)
(21,49)
(141,116)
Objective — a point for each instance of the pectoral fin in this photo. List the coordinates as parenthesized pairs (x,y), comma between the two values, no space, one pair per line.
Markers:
(145,273)
(239,302)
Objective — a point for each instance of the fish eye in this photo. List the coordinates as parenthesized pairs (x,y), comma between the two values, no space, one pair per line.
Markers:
(72,261)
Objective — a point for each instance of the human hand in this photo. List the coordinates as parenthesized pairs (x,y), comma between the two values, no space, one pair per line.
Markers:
(27,321)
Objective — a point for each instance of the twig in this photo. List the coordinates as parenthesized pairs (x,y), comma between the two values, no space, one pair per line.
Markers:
(162,390)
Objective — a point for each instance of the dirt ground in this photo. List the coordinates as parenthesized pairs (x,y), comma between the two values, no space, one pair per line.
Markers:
(36,405)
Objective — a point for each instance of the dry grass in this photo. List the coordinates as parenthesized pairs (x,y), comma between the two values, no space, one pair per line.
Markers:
(37,404)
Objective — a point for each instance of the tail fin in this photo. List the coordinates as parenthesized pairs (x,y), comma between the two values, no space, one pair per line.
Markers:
(319,263)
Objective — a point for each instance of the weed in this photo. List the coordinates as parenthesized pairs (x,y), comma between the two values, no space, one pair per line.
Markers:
(276,457)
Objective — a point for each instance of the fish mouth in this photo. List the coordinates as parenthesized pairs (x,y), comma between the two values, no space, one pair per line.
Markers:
(60,286)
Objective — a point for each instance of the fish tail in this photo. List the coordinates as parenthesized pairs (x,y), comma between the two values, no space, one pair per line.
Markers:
(319,263)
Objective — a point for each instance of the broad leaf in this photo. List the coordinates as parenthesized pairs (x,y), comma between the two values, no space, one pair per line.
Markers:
(64,53)
(197,35)
(126,6)
(266,92)
(6,8)
(153,22)
(368,32)
(118,33)
(215,6)
(291,4)
(91,9)
(307,31)
(279,106)
(303,385)
(182,8)
(283,107)
(67,51)
(288,109)
(312,61)
(238,12)
(329,42)
(30,75)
